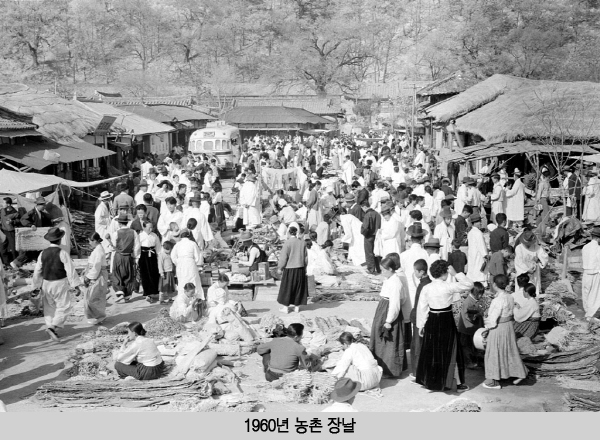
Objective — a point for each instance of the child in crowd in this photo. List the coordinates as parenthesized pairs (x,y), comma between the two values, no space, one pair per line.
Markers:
(457,258)
(173,233)
(166,285)
(498,264)
(471,319)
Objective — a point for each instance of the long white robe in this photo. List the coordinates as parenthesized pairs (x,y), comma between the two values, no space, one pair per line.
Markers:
(461,198)
(498,199)
(348,169)
(203,228)
(590,292)
(387,169)
(387,238)
(446,235)
(515,202)
(186,257)
(355,240)
(525,260)
(476,255)
(166,219)
(407,261)
(591,211)
(101,223)
(249,195)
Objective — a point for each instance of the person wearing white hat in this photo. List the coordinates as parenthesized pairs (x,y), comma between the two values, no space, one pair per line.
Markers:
(102,218)
(515,200)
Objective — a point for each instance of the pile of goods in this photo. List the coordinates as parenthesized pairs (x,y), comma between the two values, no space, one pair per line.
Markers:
(103,392)
(303,386)
(229,403)
(583,401)
(82,225)
(163,326)
(552,301)
(578,363)
(459,405)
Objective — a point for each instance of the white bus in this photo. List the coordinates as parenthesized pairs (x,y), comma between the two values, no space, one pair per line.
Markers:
(219,141)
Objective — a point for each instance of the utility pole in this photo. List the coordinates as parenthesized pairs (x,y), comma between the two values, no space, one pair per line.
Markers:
(412,120)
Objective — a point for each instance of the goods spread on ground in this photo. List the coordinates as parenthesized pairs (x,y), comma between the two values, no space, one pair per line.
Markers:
(204,367)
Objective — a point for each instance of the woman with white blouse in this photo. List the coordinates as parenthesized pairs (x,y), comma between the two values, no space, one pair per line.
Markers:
(387,331)
(527,313)
(95,281)
(440,363)
(139,357)
(502,359)
(148,264)
(357,363)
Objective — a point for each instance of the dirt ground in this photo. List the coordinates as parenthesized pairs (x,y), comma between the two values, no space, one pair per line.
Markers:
(28,359)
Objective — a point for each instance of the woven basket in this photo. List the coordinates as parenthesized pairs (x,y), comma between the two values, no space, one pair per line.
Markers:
(29,240)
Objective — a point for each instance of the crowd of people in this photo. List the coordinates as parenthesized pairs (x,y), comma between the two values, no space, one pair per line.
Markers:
(420,233)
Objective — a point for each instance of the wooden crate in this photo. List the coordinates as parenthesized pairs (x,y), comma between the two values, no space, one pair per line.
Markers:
(29,240)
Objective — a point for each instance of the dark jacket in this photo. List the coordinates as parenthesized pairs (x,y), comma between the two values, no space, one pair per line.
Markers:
(498,239)
(357,212)
(363,194)
(8,217)
(413,313)
(460,228)
(37,219)
(371,223)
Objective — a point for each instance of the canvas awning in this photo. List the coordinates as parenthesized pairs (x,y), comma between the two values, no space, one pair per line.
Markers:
(484,150)
(31,154)
(13,182)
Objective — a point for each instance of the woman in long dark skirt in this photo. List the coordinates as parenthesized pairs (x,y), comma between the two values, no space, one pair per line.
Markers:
(148,263)
(393,310)
(217,202)
(293,260)
(441,363)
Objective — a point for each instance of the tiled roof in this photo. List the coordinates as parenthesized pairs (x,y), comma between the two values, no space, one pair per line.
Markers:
(317,106)
(272,115)
(165,100)
(182,113)
(394,89)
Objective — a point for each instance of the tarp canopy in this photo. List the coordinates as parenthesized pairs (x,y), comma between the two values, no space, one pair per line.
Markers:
(31,154)
(13,182)
(592,158)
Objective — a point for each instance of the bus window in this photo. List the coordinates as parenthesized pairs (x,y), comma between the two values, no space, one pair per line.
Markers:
(218,144)
(226,145)
(208,145)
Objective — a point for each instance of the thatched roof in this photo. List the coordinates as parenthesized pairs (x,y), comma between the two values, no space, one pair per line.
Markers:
(474,97)
(56,118)
(454,83)
(539,109)
(272,115)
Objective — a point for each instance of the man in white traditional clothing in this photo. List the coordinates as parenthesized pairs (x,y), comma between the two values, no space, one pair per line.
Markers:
(591,211)
(590,293)
(412,254)
(171,215)
(530,258)
(250,202)
(354,239)
(462,195)
(498,198)
(420,158)
(203,227)
(102,219)
(54,274)
(348,169)
(477,250)
(387,240)
(445,233)
(515,200)
(139,196)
